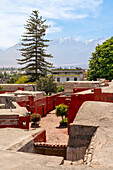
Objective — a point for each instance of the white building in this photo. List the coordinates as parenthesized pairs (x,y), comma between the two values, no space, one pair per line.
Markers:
(63,75)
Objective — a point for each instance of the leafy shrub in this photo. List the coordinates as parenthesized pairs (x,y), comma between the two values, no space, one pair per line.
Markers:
(22,80)
(60,88)
(64,122)
(46,84)
(1,87)
(13,78)
(61,110)
(35,118)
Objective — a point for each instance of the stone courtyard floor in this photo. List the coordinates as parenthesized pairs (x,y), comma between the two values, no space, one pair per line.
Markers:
(54,134)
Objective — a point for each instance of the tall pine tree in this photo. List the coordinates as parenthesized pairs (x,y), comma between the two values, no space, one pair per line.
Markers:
(34,47)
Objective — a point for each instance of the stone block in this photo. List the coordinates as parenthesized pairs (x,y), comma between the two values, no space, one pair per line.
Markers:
(80,135)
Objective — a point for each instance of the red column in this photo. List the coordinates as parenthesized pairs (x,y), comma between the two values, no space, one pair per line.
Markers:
(97,94)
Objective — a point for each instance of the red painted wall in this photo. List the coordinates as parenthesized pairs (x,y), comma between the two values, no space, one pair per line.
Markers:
(51,102)
(23,104)
(20,124)
(78,99)
(40,106)
(107,97)
(63,99)
(19,88)
(1,92)
(40,137)
(76,102)
(24,122)
(104,97)
(97,94)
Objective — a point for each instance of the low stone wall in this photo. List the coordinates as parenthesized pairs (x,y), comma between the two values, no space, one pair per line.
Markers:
(69,86)
(15,87)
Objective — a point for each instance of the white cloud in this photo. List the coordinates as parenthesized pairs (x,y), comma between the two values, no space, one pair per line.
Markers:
(56,9)
(14,13)
(53,28)
(73,9)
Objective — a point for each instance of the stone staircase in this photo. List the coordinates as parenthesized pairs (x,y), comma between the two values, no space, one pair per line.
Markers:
(9,120)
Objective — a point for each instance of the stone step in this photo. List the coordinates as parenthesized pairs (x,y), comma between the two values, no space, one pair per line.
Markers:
(9,121)
(9,116)
(66,163)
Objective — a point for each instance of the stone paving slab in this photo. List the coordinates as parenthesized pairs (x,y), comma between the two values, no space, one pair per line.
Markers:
(18,160)
(12,136)
(26,161)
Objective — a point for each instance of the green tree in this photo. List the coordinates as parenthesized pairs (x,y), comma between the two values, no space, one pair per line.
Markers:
(22,80)
(60,88)
(34,46)
(101,62)
(1,87)
(1,75)
(5,74)
(46,84)
(13,78)
(61,110)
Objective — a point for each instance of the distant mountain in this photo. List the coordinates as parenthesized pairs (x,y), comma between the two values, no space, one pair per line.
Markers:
(66,52)
(8,57)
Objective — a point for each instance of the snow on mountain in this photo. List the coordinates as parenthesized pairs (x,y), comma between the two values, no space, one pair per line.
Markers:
(66,51)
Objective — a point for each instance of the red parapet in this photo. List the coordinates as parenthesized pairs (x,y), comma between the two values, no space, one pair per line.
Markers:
(21,88)
(62,99)
(24,122)
(97,94)
(40,136)
(76,101)
(18,122)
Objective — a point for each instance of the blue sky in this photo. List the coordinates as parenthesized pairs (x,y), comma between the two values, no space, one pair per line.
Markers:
(80,19)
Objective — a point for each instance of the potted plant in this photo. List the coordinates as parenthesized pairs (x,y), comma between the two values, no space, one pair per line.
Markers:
(35,119)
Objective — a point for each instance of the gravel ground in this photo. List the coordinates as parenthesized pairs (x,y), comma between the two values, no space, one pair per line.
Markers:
(54,134)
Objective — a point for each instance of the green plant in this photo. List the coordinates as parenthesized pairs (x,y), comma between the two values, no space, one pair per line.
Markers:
(22,80)
(64,122)
(101,62)
(1,87)
(60,88)
(46,84)
(34,47)
(13,78)
(61,110)
(35,118)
